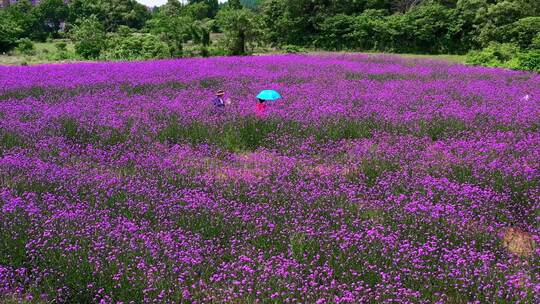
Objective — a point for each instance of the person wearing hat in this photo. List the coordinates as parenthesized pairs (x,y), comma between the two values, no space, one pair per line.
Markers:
(218,101)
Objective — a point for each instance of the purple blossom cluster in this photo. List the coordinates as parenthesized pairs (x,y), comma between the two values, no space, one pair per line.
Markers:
(375,179)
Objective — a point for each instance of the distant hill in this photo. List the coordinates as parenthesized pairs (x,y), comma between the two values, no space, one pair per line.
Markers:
(250,3)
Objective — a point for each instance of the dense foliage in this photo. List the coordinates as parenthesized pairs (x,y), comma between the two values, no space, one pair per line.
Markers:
(240,26)
(90,37)
(402,26)
(506,55)
(374,179)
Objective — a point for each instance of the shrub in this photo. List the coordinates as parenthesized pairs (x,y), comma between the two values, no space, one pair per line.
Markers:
(292,49)
(61,46)
(529,61)
(495,55)
(217,51)
(136,47)
(506,55)
(535,44)
(9,33)
(241,29)
(26,46)
(89,37)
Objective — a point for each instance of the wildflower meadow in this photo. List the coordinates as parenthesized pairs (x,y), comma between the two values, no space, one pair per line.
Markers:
(374,179)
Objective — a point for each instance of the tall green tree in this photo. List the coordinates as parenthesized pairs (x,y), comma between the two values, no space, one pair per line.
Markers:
(111,13)
(235,4)
(10,32)
(173,30)
(196,11)
(499,15)
(240,28)
(298,21)
(23,14)
(50,15)
(212,5)
(89,37)
(432,29)
(171,8)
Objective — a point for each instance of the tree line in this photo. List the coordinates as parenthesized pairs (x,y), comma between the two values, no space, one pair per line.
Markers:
(125,29)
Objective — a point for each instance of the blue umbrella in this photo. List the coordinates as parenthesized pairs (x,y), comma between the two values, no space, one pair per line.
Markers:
(268,95)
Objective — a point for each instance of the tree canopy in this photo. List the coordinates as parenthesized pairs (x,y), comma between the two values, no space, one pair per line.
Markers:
(417,26)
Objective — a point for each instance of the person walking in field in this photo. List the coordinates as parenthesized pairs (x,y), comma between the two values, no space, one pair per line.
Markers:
(260,106)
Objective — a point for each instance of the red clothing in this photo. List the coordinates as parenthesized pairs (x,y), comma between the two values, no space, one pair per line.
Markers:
(260,109)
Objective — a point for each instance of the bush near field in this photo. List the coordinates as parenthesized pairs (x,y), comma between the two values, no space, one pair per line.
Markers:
(506,55)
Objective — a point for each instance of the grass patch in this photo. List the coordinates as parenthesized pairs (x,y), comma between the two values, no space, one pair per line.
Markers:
(13,239)
(70,128)
(371,169)
(210,225)
(240,135)
(149,88)
(440,128)
(462,173)
(346,129)
(303,248)
(444,57)
(194,132)
(249,133)
(390,76)
(44,52)
(23,93)
(9,140)
(213,83)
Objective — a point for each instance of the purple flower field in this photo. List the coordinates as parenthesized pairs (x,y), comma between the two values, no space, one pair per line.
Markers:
(375,179)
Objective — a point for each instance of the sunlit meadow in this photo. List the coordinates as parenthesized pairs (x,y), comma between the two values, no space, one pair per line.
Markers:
(373,180)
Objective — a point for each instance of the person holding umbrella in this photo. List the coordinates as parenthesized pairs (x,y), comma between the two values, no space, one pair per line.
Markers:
(262,97)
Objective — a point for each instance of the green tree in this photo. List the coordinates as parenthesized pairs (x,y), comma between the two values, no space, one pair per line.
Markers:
(10,32)
(171,8)
(200,32)
(111,13)
(235,4)
(135,46)
(521,32)
(299,21)
(433,29)
(336,33)
(196,11)
(173,30)
(50,14)
(212,6)
(496,16)
(290,22)
(89,37)
(82,9)
(22,13)
(240,29)
(469,15)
